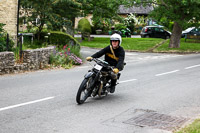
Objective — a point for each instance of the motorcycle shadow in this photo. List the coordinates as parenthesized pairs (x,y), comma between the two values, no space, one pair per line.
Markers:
(110,98)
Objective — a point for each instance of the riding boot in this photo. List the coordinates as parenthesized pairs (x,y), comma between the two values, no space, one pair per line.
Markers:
(113,84)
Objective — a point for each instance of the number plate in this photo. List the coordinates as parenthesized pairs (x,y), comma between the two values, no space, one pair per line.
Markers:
(98,67)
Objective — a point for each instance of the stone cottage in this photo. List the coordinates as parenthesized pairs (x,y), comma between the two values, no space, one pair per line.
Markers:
(8,16)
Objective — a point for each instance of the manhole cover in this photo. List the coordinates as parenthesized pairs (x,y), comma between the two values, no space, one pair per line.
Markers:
(156,120)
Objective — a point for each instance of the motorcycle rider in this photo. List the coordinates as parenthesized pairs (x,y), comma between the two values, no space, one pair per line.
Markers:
(114,55)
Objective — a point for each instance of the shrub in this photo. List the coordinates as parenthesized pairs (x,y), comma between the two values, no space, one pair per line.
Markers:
(130,22)
(84,26)
(65,57)
(120,26)
(59,38)
(1,27)
(3,40)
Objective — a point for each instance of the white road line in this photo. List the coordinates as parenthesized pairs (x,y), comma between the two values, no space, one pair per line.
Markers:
(192,66)
(27,103)
(167,73)
(127,81)
(85,51)
(82,67)
(131,54)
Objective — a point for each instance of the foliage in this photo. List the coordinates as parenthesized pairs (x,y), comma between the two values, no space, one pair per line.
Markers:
(53,13)
(60,38)
(141,20)
(84,26)
(120,26)
(1,27)
(103,11)
(104,24)
(66,15)
(50,38)
(183,13)
(3,40)
(133,22)
(65,57)
(192,128)
(130,22)
(35,44)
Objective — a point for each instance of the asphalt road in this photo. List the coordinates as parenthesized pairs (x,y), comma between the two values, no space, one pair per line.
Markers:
(44,101)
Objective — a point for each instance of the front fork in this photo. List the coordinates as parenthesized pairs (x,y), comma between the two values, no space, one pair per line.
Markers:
(94,76)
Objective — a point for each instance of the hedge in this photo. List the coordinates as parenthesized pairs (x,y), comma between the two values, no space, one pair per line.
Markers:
(3,40)
(61,38)
(84,26)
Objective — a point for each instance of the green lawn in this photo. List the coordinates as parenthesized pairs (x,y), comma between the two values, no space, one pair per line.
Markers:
(138,44)
(188,46)
(144,44)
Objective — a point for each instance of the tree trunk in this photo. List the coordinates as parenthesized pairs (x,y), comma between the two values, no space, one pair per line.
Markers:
(70,28)
(176,36)
(40,31)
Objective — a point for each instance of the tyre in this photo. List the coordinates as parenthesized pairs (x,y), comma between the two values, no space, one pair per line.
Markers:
(84,91)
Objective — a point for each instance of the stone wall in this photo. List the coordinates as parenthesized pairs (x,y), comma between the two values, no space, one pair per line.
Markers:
(32,60)
(8,16)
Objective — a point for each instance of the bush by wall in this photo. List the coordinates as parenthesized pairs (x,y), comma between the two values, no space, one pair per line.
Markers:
(60,39)
(3,40)
(66,57)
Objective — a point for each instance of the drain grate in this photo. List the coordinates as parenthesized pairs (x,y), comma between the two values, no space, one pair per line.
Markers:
(156,120)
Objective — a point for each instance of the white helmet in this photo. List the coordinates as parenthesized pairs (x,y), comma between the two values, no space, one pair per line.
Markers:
(116,37)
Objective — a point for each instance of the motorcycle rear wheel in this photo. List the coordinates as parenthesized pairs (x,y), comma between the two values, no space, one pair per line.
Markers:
(83,91)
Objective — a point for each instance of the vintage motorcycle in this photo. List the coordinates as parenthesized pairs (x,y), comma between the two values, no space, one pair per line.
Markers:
(96,82)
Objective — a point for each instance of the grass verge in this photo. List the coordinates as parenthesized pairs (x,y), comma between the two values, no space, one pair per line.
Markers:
(146,44)
(192,128)
(186,47)
(135,44)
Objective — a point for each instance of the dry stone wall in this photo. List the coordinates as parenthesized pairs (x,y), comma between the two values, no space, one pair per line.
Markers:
(32,60)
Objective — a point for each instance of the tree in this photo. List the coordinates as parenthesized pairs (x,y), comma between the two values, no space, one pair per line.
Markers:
(50,12)
(102,10)
(183,13)
(85,27)
(68,10)
(40,10)
(3,40)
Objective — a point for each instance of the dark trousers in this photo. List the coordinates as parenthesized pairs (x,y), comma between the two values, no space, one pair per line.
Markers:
(113,82)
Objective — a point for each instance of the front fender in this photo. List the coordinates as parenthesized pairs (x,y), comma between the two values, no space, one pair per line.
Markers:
(88,75)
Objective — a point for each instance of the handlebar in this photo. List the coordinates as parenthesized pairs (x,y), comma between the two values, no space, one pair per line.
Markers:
(102,62)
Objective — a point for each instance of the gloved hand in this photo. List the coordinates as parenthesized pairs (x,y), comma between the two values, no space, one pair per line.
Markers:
(89,58)
(115,70)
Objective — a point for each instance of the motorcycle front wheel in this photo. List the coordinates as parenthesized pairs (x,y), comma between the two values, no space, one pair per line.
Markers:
(84,91)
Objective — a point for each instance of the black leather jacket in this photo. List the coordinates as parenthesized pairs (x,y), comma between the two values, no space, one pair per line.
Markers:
(119,53)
